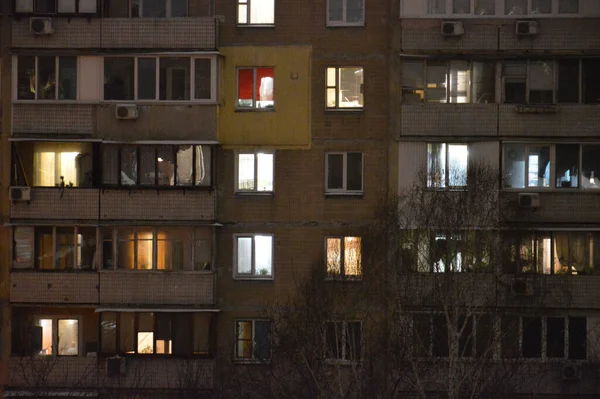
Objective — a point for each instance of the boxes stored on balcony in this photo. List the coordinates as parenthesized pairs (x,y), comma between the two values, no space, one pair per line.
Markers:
(41,26)
(526,28)
(529,200)
(126,111)
(20,193)
(452,28)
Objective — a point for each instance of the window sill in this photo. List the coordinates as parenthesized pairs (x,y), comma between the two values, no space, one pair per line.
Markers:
(162,272)
(259,194)
(341,362)
(344,279)
(36,270)
(154,188)
(255,25)
(356,110)
(345,24)
(347,194)
(255,109)
(253,278)
(247,362)
(552,190)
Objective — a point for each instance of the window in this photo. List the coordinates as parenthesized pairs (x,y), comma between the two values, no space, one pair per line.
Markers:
(544,337)
(343,341)
(256,12)
(159,78)
(568,6)
(252,340)
(256,88)
(254,172)
(448,81)
(157,333)
(345,12)
(65,248)
(436,6)
(453,252)
(253,256)
(48,336)
(461,6)
(56,6)
(157,166)
(485,7)
(344,173)
(513,8)
(344,257)
(164,248)
(447,165)
(548,252)
(541,6)
(158,8)
(62,164)
(551,166)
(345,87)
(37,78)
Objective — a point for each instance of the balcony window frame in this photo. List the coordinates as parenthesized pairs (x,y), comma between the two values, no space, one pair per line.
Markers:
(344,190)
(499,10)
(32,10)
(447,171)
(343,22)
(253,358)
(253,274)
(57,80)
(168,10)
(248,18)
(157,57)
(337,87)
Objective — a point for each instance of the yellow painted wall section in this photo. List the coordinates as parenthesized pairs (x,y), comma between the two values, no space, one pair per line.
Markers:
(288,126)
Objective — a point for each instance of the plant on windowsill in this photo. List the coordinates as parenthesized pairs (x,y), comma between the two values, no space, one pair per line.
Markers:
(263,272)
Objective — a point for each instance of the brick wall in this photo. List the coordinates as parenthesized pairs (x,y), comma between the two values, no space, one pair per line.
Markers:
(46,203)
(449,120)
(68,288)
(53,119)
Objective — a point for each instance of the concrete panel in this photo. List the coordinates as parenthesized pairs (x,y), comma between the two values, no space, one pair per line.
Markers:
(160,122)
(53,119)
(157,288)
(554,34)
(449,120)
(426,34)
(567,121)
(558,207)
(412,163)
(157,205)
(33,373)
(68,33)
(39,287)
(48,203)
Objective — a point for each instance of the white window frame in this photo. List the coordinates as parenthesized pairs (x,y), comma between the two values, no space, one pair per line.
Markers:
(55,338)
(343,275)
(343,22)
(344,359)
(337,88)
(500,11)
(446,176)
(344,190)
(236,187)
(255,95)
(56,81)
(192,81)
(248,22)
(168,6)
(252,359)
(252,275)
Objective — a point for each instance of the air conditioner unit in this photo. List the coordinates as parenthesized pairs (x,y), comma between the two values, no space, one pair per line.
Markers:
(126,111)
(526,28)
(529,200)
(41,26)
(571,372)
(452,28)
(20,193)
(115,366)
(522,287)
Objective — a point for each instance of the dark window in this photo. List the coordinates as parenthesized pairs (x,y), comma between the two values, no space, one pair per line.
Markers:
(344,172)
(532,337)
(591,81)
(568,81)
(515,78)
(421,335)
(45,6)
(440,336)
(335,171)
(46,78)
(202,79)
(555,337)
(466,337)
(26,78)
(510,336)
(354,173)
(174,78)
(577,338)
(484,336)
(567,165)
(118,78)
(343,340)
(146,78)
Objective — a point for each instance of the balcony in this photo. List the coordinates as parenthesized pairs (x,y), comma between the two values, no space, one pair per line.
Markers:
(173,33)
(52,203)
(68,288)
(156,205)
(578,206)
(53,119)
(45,372)
(157,288)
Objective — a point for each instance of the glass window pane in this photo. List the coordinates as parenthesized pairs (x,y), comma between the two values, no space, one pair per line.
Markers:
(145,260)
(108,333)
(46,78)
(510,336)
(568,6)
(26,78)
(555,337)
(581,262)
(541,6)
(335,171)
(263,254)
(567,165)
(85,242)
(67,73)
(87,6)
(243,340)
(514,74)
(244,255)
(590,164)
(334,260)
(483,82)
(485,7)
(126,332)
(179,8)
(543,243)
(65,248)
(154,8)
(145,333)
(436,6)
(351,87)
(146,78)
(110,164)
(126,249)
(577,338)
(68,337)
(354,170)
(458,156)
(591,80)
(541,82)
(43,248)
(334,340)
(335,10)
(461,7)
(166,165)
(532,337)
(245,88)
(514,166)
(128,165)
(412,81)
(203,166)
(262,340)
(24,6)
(354,11)
(45,6)
(46,325)
(539,166)
(562,262)
(118,78)
(440,336)
(515,7)
(436,165)
(185,165)
(242,13)
(107,248)
(265,91)
(66,6)
(262,11)
(352,256)
(568,81)
(202,89)
(245,179)
(435,89)
(264,172)
(174,78)
(459,78)
(135,8)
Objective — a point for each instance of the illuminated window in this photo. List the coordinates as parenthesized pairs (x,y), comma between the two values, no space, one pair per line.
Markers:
(345,12)
(254,172)
(65,248)
(345,87)
(344,173)
(343,340)
(37,78)
(253,256)
(253,340)
(256,88)
(344,257)
(256,12)
(62,164)
(447,165)
(51,333)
